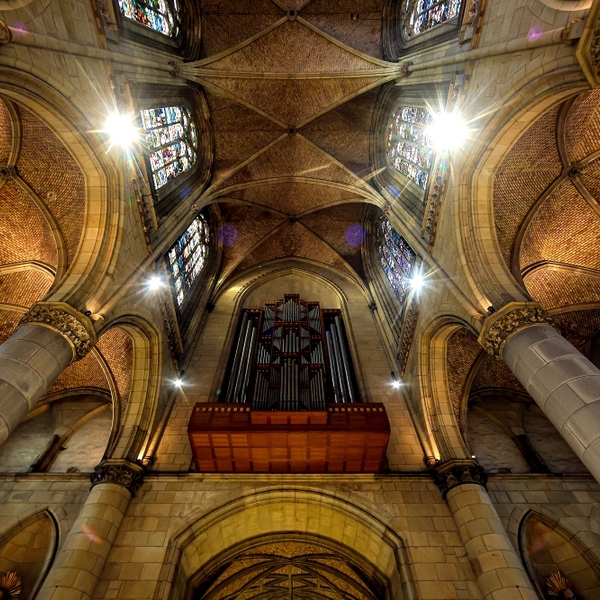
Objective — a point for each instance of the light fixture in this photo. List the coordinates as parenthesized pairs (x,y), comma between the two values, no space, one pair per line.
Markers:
(395,383)
(447,131)
(121,130)
(178,383)
(154,283)
(417,282)
(473,456)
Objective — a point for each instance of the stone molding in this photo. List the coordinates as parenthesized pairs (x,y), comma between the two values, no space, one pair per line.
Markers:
(122,472)
(5,34)
(500,326)
(74,326)
(588,49)
(457,472)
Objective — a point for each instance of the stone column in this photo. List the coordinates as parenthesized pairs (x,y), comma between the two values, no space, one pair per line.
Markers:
(49,338)
(496,565)
(81,560)
(564,384)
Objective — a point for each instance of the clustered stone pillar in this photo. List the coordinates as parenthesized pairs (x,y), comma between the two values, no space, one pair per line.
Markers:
(49,338)
(497,567)
(77,569)
(564,384)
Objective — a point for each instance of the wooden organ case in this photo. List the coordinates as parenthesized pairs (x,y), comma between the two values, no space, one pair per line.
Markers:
(291,403)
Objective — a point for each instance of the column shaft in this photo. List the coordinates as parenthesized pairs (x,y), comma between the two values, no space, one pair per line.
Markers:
(564,384)
(81,560)
(30,360)
(497,567)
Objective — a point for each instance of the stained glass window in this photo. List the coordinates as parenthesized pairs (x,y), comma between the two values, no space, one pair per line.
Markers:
(159,15)
(172,139)
(188,255)
(421,15)
(396,256)
(409,149)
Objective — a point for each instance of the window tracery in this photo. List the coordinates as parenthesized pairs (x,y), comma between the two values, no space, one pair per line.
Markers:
(159,15)
(172,140)
(409,148)
(187,256)
(396,256)
(422,15)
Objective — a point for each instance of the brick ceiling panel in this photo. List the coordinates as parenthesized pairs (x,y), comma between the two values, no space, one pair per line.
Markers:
(340,226)
(554,288)
(292,48)
(590,176)
(293,240)
(8,323)
(356,23)
(86,372)
(243,227)
(293,156)
(48,167)
(564,229)
(344,132)
(582,130)
(494,373)
(239,132)
(293,198)
(24,287)
(462,351)
(529,168)
(5,133)
(578,327)
(116,346)
(292,101)
(21,216)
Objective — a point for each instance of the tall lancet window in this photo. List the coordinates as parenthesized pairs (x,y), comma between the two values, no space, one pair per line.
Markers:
(172,140)
(187,257)
(397,258)
(291,355)
(160,15)
(421,15)
(409,149)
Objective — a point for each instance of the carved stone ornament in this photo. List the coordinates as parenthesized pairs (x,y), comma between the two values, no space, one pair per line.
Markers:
(74,326)
(5,34)
(503,324)
(123,473)
(457,472)
(176,69)
(588,49)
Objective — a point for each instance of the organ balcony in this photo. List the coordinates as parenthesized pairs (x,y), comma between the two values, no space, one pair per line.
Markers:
(234,438)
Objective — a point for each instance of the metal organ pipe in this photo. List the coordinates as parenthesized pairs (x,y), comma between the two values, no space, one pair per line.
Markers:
(334,375)
(236,360)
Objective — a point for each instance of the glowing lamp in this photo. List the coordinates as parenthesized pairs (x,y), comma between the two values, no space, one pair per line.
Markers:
(447,132)
(154,283)
(417,282)
(121,130)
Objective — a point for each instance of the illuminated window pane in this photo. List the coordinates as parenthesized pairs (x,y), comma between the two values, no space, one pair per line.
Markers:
(409,149)
(171,137)
(155,14)
(188,255)
(421,15)
(396,256)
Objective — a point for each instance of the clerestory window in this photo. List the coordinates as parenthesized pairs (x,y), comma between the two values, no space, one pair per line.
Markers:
(172,141)
(409,149)
(159,15)
(188,255)
(422,15)
(397,258)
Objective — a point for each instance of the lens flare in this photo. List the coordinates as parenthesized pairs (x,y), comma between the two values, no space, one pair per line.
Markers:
(448,131)
(355,234)
(121,130)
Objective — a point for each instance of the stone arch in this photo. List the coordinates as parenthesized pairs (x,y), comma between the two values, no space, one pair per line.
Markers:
(29,548)
(205,539)
(96,254)
(546,546)
(487,274)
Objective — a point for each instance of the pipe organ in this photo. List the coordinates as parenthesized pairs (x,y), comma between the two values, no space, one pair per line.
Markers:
(291,356)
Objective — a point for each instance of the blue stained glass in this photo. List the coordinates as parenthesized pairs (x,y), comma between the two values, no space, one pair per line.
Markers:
(422,15)
(187,256)
(396,256)
(155,14)
(409,148)
(170,132)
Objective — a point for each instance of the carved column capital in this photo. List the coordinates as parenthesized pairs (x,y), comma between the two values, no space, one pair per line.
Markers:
(121,472)
(74,326)
(457,472)
(588,48)
(5,34)
(510,319)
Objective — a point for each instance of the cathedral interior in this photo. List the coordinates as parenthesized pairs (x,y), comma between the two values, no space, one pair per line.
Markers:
(311,309)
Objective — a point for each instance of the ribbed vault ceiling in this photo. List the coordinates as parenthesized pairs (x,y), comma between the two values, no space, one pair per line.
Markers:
(292,98)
